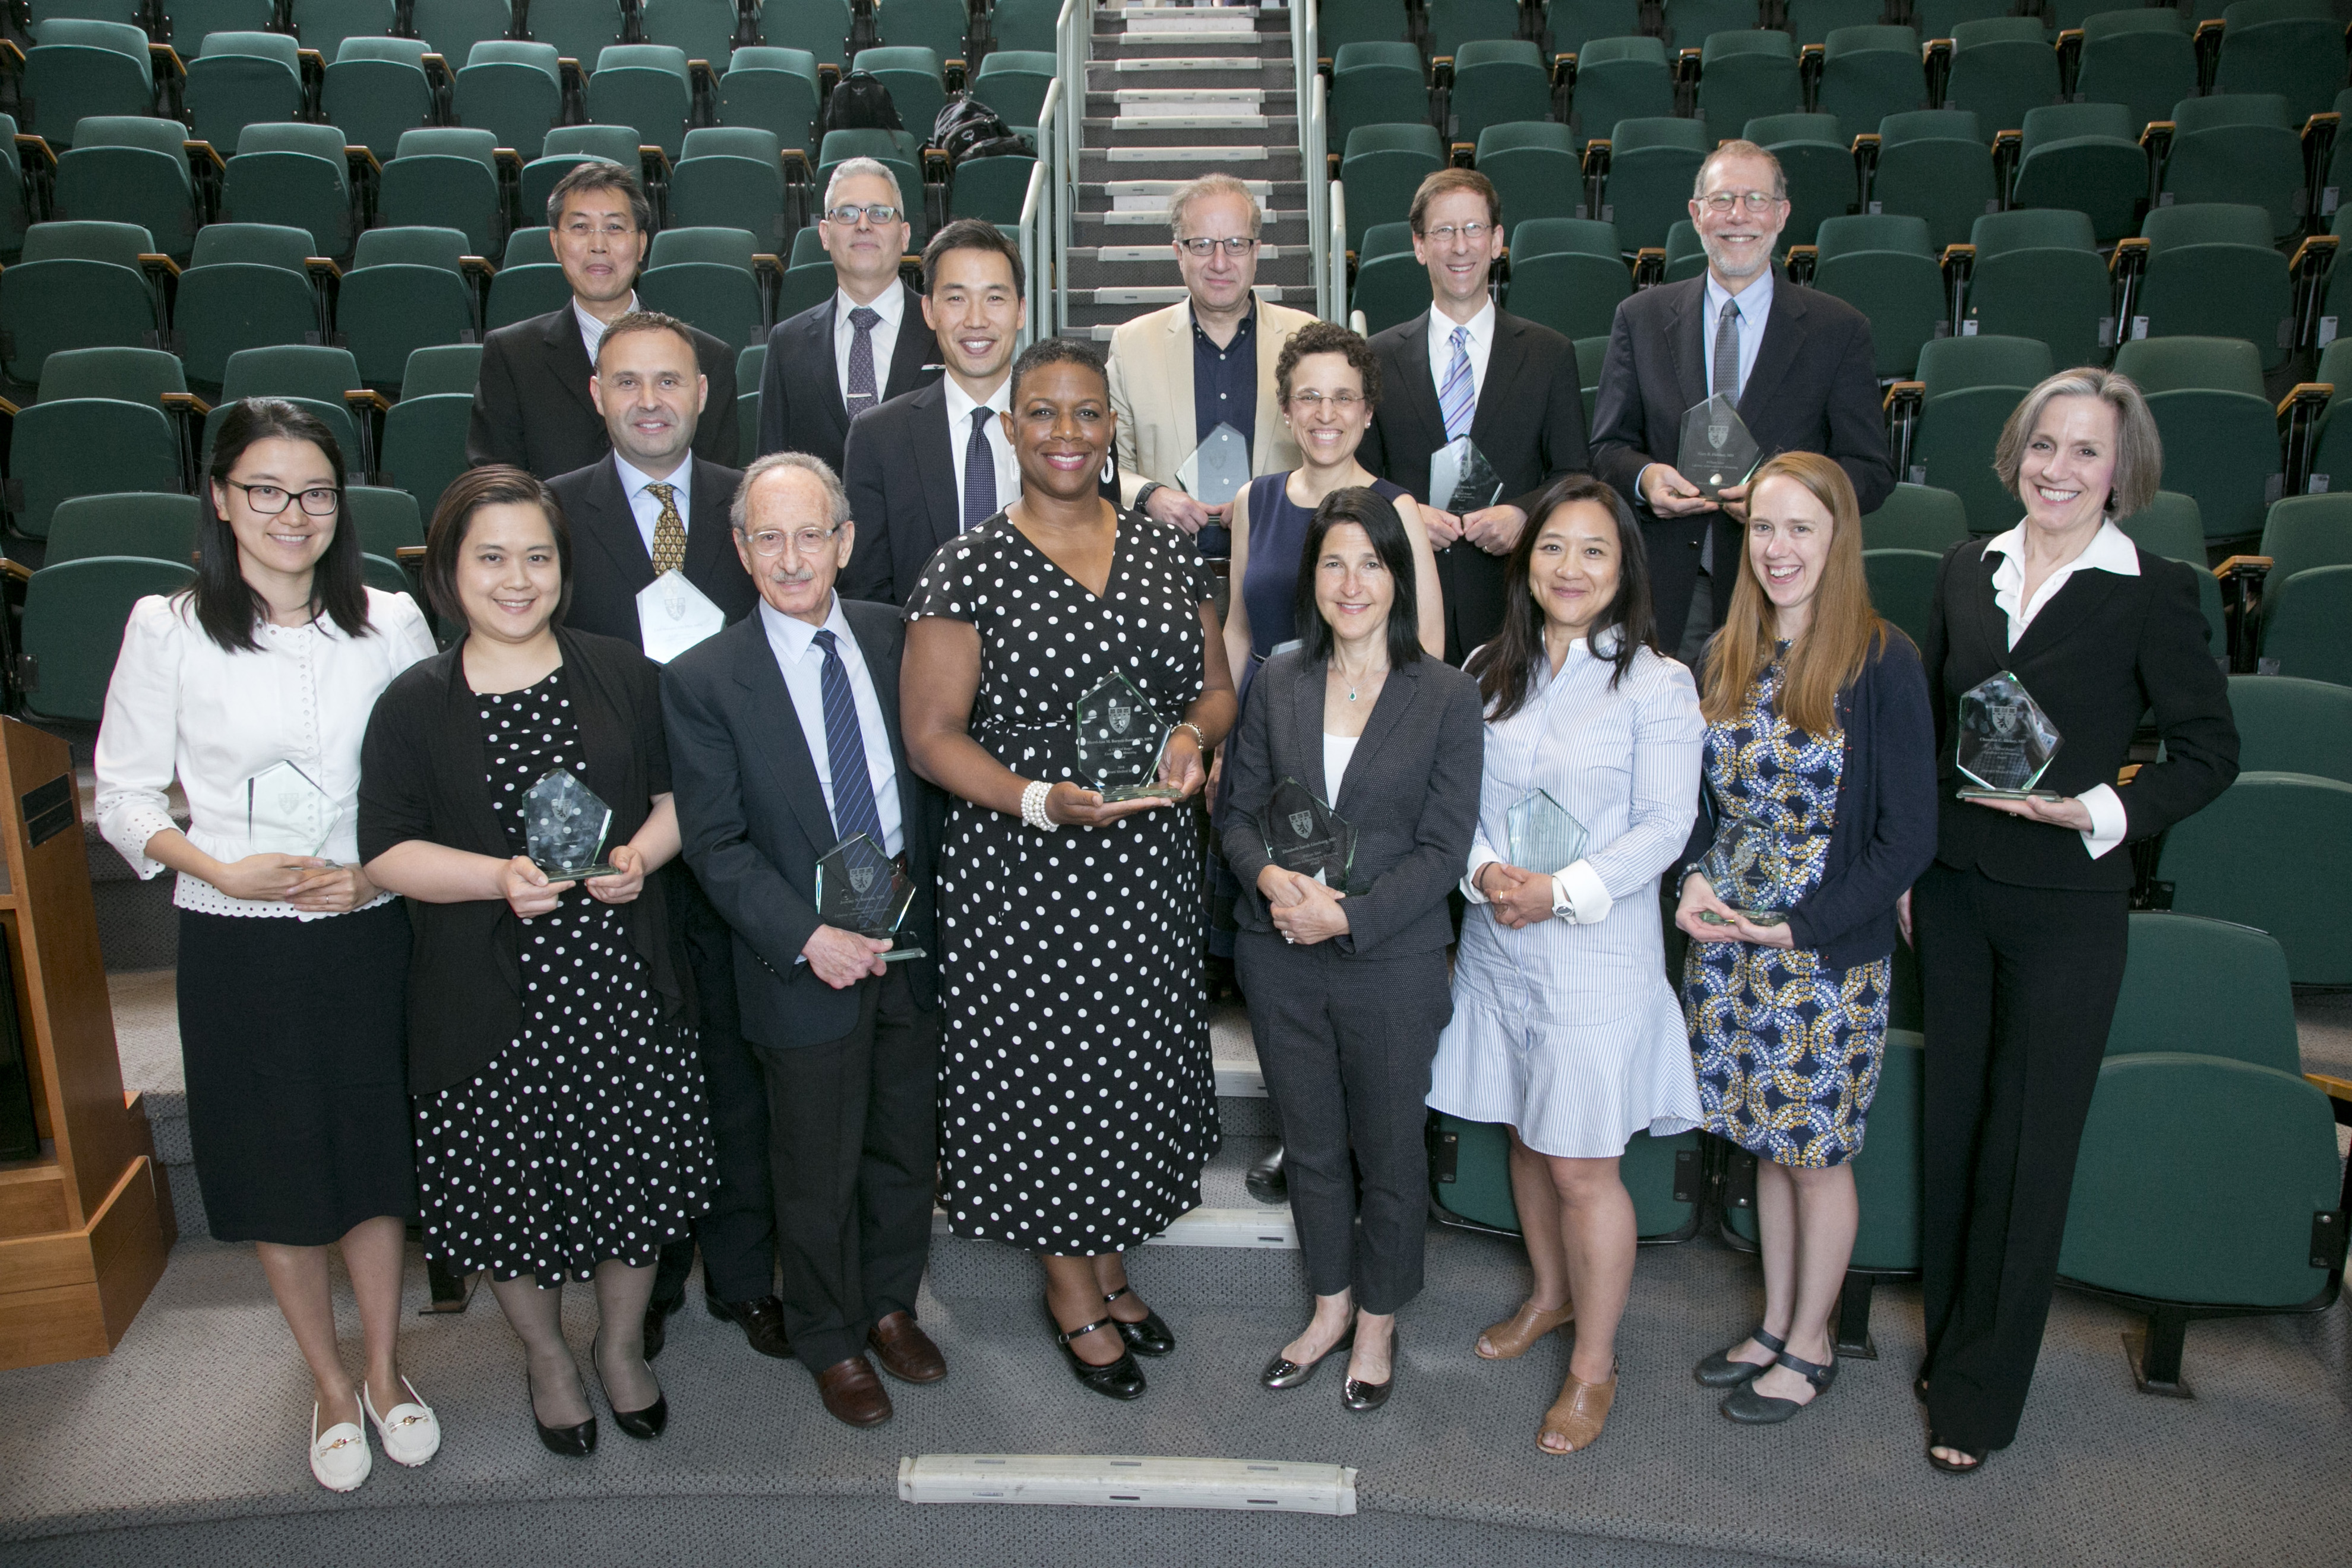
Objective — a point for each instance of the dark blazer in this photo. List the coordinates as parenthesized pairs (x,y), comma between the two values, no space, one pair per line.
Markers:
(1411,792)
(1884,834)
(609,562)
(531,406)
(1814,389)
(2101,652)
(1529,423)
(899,470)
(801,406)
(753,818)
(421,772)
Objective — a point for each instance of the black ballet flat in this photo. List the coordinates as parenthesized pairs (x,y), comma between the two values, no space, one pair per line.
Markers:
(1149,1337)
(1283,1373)
(1362,1396)
(1121,1379)
(1719,1371)
(570,1442)
(645,1424)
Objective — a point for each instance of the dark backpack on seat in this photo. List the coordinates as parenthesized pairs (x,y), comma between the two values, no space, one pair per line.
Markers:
(968,129)
(860,102)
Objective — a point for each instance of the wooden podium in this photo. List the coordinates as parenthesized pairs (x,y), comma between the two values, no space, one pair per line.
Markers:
(85,1225)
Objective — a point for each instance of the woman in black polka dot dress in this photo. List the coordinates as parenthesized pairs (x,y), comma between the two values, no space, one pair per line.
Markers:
(1077,1102)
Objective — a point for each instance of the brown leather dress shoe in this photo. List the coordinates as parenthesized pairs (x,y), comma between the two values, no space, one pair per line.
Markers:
(853,1394)
(906,1352)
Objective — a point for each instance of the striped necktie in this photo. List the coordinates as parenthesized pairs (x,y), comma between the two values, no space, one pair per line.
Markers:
(1457,396)
(669,530)
(854,811)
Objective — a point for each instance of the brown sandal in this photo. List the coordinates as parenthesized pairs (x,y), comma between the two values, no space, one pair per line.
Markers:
(1577,1415)
(1509,1339)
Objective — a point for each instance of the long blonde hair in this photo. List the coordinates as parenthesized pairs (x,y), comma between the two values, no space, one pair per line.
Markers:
(1841,635)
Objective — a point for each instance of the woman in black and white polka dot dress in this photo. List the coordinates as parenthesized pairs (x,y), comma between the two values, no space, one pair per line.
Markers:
(1077,1102)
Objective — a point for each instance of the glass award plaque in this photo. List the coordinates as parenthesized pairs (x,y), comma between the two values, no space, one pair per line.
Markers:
(860,888)
(1218,467)
(286,813)
(1120,738)
(1305,836)
(563,826)
(1717,450)
(1544,837)
(1461,479)
(673,614)
(1748,868)
(2006,741)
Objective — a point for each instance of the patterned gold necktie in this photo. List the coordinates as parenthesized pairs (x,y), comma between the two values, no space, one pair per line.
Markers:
(670,531)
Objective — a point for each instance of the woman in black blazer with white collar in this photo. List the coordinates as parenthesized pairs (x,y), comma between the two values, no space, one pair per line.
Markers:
(2021,920)
(1347,985)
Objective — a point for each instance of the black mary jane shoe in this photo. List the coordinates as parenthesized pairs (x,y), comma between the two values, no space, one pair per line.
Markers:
(645,1424)
(1719,1371)
(1149,1337)
(1976,1456)
(1359,1396)
(570,1442)
(1283,1373)
(1121,1379)
(1750,1409)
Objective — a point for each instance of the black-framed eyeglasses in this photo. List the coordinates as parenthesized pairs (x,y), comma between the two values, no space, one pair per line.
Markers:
(1758,203)
(1235,245)
(268,500)
(877,213)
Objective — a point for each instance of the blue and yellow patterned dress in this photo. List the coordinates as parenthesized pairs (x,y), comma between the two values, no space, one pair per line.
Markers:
(1787,1052)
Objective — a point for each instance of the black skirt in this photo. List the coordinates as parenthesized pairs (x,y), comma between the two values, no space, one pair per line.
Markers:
(294,1035)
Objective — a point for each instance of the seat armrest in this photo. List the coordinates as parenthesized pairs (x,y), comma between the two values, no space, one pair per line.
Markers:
(35,152)
(1649,266)
(362,399)
(14,570)
(410,555)
(1802,261)
(1441,71)
(2207,41)
(1461,155)
(1911,392)
(437,72)
(2129,259)
(1810,59)
(203,158)
(2251,568)
(10,408)
(188,402)
(12,58)
(322,267)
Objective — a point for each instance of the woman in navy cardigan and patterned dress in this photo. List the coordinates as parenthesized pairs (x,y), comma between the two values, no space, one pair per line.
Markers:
(1820,740)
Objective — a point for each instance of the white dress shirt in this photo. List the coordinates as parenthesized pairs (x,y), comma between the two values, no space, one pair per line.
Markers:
(2110,550)
(1755,313)
(592,331)
(1480,345)
(1338,751)
(793,642)
(891,305)
(1579,896)
(960,408)
(647,507)
(180,705)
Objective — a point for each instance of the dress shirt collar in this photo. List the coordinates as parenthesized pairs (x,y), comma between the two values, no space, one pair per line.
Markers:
(961,407)
(1441,333)
(790,638)
(592,331)
(634,480)
(890,305)
(2110,550)
(1755,301)
(1244,331)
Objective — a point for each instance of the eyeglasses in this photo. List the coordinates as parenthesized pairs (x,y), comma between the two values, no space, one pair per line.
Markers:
(1236,246)
(877,213)
(1470,233)
(1758,203)
(1313,402)
(268,500)
(770,542)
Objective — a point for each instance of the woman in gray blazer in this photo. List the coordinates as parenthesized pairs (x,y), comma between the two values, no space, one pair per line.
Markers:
(1359,761)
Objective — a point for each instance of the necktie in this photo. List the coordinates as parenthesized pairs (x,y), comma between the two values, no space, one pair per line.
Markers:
(1457,396)
(861,360)
(854,810)
(1727,352)
(669,530)
(979,471)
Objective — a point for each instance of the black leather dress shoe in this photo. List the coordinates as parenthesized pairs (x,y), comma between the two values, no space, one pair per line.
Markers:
(1265,1180)
(658,1324)
(1149,1337)
(1121,1379)
(761,1319)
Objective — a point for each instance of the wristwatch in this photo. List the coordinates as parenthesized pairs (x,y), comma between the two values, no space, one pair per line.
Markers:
(1143,496)
(1561,903)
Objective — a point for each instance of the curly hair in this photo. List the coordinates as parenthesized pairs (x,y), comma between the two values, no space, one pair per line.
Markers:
(1329,338)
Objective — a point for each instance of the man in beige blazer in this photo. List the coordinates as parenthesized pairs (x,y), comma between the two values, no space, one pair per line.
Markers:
(1153,387)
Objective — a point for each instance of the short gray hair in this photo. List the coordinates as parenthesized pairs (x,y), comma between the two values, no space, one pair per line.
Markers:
(1217,185)
(2139,450)
(836,498)
(864,168)
(1740,150)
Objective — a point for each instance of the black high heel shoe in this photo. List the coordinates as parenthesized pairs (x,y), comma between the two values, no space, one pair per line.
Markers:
(1121,1379)
(644,1423)
(1283,1373)
(570,1442)
(1361,1396)
(1149,1337)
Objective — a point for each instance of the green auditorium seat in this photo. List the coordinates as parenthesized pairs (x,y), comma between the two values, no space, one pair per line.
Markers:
(2304,621)
(706,276)
(1653,165)
(520,292)
(528,247)
(2237,148)
(1391,284)
(384,574)
(151,527)
(295,175)
(2299,57)
(79,285)
(1971,386)
(567,146)
(512,90)
(1944,18)
(80,69)
(2212,273)
(2210,986)
(1690,23)
(1531,237)
(1685,257)
(15,214)
(377,91)
(441,367)
(1744,75)
(2002,68)
(2293,726)
(131,169)
(1871,72)
(2304,531)
(1620,78)
(72,630)
(1881,264)
(776,89)
(1934,163)
(2085,158)
(751,365)
(387,520)
(2039,274)
(2170,526)
(806,283)
(645,85)
(1534,168)
(247,286)
(990,188)
(915,80)
(407,289)
(821,27)
(102,427)
(1903,587)
(310,376)
(1817,161)
(1470,1180)
(1014,83)
(1812,21)
(705,30)
(2141,59)
(424,445)
(1498,81)
(39,15)
(1570,25)
(1455,24)
(445,177)
(1916,517)
(1380,168)
(1575,295)
(731,176)
(324,24)
(454,27)
(580,29)
(2274,853)
(2221,435)
(241,79)
(1336,27)
(187,23)
(934,25)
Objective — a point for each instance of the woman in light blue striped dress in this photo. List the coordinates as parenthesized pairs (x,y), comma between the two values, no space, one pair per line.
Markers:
(1564,1027)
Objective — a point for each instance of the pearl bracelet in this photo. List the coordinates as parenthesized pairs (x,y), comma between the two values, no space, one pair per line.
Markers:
(1033,806)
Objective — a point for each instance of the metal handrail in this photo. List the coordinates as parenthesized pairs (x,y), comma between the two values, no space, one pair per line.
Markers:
(1038,233)
(1331,286)
(1313,143)
(1073,42)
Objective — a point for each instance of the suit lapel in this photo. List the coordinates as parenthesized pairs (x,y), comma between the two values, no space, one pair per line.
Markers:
(612,528)
(1397,694)
(710,556)
(1784,328)
(1686,344)
(1176,345)
(1418,396)
(934,456)
(914,349)
(1267,440)
(817,345)
(1307,719)
(786,753)
(1503,362)
(2072,611)
(568,359)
